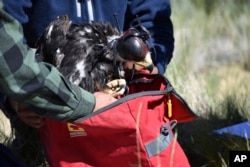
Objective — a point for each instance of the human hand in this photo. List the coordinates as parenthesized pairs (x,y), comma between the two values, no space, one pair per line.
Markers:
(103,99)
(29,117)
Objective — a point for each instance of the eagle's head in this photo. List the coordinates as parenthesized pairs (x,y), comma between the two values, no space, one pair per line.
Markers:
(88,54)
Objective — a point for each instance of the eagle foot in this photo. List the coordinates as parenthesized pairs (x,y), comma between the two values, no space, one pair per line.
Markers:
(116,87)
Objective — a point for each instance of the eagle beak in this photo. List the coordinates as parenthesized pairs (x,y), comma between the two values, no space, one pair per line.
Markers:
(147,63)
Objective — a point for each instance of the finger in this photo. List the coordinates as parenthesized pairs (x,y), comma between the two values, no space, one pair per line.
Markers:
(36,125)
(28,113)
(35,122)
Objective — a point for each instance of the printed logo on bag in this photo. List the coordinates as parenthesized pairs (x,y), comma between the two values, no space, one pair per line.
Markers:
(239,158)
(76,131)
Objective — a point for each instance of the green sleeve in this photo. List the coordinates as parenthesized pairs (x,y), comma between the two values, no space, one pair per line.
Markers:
(38,84)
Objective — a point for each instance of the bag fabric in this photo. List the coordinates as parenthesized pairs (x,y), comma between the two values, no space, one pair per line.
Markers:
(134,131)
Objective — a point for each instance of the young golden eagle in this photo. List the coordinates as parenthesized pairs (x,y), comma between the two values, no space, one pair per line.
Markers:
(92,54)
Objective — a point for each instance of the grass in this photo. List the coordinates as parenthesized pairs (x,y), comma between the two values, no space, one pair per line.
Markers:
(23,141)
(211,69)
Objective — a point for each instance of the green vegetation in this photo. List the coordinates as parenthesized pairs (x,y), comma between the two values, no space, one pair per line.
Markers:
(211,70)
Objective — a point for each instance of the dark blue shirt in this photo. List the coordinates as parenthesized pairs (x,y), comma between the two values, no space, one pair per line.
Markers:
(35,15)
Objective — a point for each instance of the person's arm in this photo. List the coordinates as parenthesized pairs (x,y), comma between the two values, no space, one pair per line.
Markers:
(155,16)
(37,84)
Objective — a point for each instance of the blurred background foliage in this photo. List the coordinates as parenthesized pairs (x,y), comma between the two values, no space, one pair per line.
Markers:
(211,70)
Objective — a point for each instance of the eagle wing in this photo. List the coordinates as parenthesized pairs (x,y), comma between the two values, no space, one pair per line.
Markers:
(83,52)
(92,54)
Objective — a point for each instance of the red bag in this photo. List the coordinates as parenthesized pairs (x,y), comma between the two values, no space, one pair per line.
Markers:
(134,131)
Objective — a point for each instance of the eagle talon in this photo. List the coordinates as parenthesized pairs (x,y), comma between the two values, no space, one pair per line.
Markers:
(116,87)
